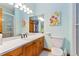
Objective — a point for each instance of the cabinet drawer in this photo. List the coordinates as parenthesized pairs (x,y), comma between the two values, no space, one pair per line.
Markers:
(15,52)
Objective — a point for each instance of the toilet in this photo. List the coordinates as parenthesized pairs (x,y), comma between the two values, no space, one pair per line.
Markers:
(57,44)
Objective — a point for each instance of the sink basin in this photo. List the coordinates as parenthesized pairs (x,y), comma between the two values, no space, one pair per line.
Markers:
(29,34)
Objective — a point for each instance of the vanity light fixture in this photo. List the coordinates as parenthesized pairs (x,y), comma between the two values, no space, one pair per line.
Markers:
(22,6)
(29,12)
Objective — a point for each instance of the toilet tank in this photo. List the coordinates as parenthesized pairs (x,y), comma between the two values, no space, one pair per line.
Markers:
(57,42)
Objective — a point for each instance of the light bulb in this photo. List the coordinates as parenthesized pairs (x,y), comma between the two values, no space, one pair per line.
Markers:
(30,11)
(16,6)
(24,7)
(21,8)
(27,9)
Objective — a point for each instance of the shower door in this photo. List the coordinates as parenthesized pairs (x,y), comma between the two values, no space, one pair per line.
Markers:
(8,25)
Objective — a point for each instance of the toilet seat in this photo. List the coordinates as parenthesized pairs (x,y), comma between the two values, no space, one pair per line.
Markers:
(56,52)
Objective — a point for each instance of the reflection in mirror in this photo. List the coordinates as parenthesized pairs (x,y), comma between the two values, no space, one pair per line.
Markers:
(0,24)
(7,25)
(13,21)
(6,20)
(36,24)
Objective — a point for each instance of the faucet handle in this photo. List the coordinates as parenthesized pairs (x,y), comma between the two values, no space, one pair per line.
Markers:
(21,35)
(25,34)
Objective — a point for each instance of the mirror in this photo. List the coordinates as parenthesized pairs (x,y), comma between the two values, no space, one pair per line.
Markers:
(7,25)
(13,21)
(36,24)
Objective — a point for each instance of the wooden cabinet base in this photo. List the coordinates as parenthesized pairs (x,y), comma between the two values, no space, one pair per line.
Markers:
(15,52)
(33,48)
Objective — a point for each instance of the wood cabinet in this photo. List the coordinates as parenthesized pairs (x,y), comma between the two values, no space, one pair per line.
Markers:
(15,52)
(0,20)
(31,26)
(39,45)
(27,50)
(33,48)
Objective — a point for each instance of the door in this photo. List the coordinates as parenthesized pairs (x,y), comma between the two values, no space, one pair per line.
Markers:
(31,26)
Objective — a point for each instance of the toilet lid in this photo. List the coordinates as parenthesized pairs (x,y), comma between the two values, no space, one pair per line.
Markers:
(57,52)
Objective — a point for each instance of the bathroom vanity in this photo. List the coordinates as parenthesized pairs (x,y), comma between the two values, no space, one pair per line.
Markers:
(31,46)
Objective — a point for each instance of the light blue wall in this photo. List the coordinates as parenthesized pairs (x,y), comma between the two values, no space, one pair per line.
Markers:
(64,29)
(18,19)
(19,15)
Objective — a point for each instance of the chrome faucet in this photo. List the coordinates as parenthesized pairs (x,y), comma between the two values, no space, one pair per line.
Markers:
(24,35)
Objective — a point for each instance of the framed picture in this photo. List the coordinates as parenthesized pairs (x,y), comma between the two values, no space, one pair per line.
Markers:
(23,22)
(55,18)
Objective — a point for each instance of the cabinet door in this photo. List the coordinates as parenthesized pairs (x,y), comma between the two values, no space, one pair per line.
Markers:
(31,26)
(38,47)
(31,50)
(1,20)
(15,52)
(27,50)
(41,44)
(34,49)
